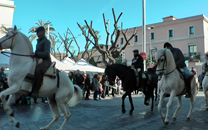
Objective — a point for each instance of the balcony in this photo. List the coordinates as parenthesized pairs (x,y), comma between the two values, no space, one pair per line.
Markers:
(192,56)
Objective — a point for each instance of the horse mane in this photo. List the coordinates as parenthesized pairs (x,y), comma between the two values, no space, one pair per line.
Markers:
(120,65)
(159,53)
(27,41)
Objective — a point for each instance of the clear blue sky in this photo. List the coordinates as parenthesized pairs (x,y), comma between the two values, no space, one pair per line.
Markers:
(66,13)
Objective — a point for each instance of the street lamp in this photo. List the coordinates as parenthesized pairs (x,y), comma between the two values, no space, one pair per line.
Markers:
(150,28)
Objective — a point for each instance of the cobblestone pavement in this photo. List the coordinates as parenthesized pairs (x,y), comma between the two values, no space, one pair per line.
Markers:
(106,114)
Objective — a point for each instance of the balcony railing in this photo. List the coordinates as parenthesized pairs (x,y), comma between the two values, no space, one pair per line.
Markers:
(192,56)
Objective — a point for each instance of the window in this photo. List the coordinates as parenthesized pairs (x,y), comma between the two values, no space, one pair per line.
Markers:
(192,51)
(152,36)
(121,41)
(171,33)
(191,30)
(136,38)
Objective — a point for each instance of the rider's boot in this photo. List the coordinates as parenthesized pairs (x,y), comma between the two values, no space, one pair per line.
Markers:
(38,83)
(140,88)
(188,87)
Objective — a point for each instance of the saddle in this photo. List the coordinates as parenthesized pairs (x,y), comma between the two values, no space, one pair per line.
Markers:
(29,79)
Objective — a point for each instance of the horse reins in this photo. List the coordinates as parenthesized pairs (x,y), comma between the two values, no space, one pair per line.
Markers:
(3,52)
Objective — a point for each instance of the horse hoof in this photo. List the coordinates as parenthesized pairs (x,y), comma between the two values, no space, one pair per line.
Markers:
(166,123)
(147,104)
(17,125)
(123,111)
(130,113)
(174,119)
(188,118)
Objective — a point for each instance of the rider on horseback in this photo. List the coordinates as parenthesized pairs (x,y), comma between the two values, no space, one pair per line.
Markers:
(42,51)
(138,65)
(204,69)
(180,64)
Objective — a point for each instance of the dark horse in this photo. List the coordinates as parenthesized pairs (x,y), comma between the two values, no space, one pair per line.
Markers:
(149,85)
(127,75)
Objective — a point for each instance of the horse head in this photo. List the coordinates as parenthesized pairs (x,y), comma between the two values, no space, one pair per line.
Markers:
(110,74)
(165,61)
(6,42)
(12,37)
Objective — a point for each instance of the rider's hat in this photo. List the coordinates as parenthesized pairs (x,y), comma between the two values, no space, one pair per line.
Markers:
(136,50)
(41,28)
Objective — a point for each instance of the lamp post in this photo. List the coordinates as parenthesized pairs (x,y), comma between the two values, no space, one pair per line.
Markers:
(150,28)
(144,29)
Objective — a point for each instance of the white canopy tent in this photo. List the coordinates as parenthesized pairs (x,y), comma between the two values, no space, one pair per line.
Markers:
(68,61)
(85,66)
(4,59)
(62,66)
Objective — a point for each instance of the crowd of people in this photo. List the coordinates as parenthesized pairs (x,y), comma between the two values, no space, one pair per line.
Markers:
(98,84)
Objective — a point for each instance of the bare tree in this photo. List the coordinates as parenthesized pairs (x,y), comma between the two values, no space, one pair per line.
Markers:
(68,40)
(109,52)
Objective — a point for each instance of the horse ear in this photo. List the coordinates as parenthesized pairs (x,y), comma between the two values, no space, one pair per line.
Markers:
(15,28)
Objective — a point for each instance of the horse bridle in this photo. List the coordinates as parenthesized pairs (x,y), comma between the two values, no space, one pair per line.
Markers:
(165,62)
(8,39)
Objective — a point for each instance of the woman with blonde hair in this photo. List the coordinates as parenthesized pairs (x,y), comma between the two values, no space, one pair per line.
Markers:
(96,81)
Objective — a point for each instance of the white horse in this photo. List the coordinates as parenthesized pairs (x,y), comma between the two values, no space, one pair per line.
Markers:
(205,83)
(20,65)
(171,84)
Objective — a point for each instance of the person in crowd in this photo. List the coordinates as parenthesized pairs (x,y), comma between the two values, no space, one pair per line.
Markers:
(100,91)
(193,71)
(96,80)
(71,76)
(119,86)
(105,85)
(87,87)
(3,79)
(79,79)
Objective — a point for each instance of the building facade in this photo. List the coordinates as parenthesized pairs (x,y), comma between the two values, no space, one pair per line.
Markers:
(6,14)
(189,34)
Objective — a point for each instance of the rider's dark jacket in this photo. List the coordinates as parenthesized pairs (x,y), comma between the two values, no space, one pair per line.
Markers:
(43,51)
(179,57)
(137,61)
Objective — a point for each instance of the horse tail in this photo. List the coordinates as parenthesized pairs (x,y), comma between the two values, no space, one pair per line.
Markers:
(77,96)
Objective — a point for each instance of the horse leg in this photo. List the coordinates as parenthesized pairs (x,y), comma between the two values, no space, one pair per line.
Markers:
(152,101)
(160,105)
(123,105)
(131,102)
(172,96)
(56,114)
(178,108)
(67,114)
(191,107)
(156,94)
(206,96)
(7,109)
